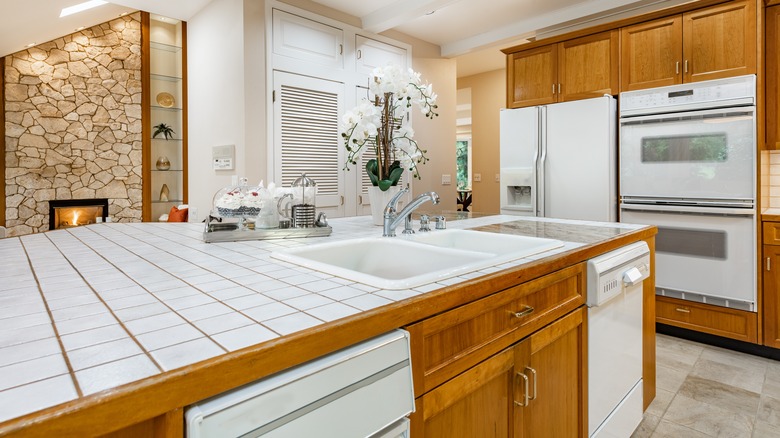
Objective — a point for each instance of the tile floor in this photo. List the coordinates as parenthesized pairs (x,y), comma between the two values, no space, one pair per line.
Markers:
(706,391)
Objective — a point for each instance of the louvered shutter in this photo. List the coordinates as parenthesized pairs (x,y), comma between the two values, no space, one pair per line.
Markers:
(307,138)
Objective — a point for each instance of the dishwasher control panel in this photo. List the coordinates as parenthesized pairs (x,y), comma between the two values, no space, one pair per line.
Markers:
(610,273)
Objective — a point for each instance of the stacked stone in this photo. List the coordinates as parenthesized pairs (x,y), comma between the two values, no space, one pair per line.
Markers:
(73,124)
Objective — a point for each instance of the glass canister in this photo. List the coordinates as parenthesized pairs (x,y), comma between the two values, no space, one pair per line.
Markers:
(304,194)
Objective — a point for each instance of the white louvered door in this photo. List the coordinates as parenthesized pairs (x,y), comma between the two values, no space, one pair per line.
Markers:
(307,138)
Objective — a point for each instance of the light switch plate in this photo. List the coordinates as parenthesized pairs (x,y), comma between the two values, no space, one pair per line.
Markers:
(477,177)
(498,177)
(446,179)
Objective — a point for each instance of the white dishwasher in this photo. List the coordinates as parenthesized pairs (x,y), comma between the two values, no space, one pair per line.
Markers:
(361,391)
(615,340)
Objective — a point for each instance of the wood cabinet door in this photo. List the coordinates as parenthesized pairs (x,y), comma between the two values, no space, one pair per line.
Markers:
(719,42)
(588,66)
(651,54)
(477,403)
(554,360)
(771,297)
(532,77)
(772,83)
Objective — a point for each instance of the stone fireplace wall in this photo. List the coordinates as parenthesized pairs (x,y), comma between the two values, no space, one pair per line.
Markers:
(73,124)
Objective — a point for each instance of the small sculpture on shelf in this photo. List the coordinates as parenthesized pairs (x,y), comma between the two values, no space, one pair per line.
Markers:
(164,193)
(163,163)
(163,129)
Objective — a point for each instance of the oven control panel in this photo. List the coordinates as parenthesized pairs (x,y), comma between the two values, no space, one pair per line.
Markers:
(734,91)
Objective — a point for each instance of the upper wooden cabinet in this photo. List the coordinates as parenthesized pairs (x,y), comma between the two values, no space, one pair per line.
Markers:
(575,69)
(772,81)
(708,43)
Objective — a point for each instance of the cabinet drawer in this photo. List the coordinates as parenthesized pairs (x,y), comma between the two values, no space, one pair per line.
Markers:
(447,344)
(721,321)
(771,233)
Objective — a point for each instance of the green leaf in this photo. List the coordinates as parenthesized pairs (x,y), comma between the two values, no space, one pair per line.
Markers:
(371,169)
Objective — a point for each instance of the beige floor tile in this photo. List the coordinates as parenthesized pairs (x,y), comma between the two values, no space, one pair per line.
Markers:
(646,427)
(677,353)
(668,378)
(667,429)
(752,364)
(661,401)
(769,411)
(772,380)
(719,394)
(765,430)
(708,419)
(733,375)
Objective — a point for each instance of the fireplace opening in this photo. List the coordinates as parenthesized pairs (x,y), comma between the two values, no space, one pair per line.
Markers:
(69,213)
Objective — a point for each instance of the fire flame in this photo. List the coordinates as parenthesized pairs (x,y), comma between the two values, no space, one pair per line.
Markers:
(76,217)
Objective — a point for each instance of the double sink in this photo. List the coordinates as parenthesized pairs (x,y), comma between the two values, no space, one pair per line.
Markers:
(410,261)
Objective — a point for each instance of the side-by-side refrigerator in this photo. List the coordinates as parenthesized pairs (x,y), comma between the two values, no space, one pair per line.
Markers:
(559,160)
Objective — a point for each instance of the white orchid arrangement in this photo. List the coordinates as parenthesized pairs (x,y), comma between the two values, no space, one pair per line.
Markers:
(383,124)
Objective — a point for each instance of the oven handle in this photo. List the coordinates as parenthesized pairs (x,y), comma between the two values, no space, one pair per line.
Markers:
(750,110)
(695,209)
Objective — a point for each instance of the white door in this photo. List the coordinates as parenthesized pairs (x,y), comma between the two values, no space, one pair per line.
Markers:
(308,40)
(579,162)
(370,54)
(307,138)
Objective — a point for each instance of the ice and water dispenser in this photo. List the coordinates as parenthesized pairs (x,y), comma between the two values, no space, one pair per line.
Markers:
(518,186)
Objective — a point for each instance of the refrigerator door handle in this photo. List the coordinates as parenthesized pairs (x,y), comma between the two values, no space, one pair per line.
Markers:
(541,163)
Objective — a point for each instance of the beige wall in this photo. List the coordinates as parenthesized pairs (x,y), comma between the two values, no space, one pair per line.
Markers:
(488,97)
(437,136)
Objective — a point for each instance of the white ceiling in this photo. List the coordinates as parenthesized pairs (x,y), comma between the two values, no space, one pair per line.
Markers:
(472,31)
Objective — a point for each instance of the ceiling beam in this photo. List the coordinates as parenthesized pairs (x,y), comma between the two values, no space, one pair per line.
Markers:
(400,12)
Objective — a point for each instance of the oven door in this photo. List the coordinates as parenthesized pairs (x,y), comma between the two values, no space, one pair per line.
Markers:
(708,154)
(703,254)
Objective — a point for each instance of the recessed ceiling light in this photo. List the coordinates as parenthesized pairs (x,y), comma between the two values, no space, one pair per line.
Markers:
(81,7)
(430,13)
(31,45)
(79,28)
(123,14)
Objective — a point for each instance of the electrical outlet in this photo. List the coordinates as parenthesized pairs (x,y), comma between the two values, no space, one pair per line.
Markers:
(477,177)
(446,179)
(498,177)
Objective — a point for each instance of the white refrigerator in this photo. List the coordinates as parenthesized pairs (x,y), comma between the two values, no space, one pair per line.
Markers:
(559,160)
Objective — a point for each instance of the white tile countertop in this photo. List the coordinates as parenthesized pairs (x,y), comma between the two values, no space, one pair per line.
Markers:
(91,308)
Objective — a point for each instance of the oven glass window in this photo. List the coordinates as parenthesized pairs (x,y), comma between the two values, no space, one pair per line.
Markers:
(712,147)
(689,242)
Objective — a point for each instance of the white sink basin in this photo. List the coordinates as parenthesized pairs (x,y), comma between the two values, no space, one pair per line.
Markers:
(411,261)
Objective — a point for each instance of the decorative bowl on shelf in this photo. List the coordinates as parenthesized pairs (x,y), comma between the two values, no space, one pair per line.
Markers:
(165,100)
(163,163)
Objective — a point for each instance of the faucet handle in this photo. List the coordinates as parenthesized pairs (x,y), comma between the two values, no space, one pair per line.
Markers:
(441,223)
(425,223)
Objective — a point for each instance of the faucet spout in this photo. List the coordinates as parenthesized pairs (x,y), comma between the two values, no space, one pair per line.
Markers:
(392,219)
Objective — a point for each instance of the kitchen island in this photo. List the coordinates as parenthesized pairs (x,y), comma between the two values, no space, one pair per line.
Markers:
(119,327)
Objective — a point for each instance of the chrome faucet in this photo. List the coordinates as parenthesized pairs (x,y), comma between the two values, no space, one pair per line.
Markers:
(392,218)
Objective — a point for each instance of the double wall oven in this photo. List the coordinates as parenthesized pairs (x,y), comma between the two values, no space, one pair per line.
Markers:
(688,166)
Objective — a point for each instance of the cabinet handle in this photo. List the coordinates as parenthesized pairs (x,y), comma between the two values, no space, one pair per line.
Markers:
(341,49)
(533,374)
(559,88)
(677,68)
(683,310)
(686,66)
(359,54)
(525,390)
(527,310)
(553,85)
(768,264)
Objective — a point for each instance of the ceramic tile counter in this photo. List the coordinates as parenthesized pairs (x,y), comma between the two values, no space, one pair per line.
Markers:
(88,309)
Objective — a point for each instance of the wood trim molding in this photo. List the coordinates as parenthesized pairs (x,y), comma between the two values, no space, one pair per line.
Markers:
(184,126)
(146,122)
(2,132)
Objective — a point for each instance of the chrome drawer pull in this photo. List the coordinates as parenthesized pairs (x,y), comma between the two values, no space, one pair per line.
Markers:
(525,391)
(682,310)
(527,310)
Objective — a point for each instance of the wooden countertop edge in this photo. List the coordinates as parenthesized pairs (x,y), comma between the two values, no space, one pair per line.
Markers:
(770,217)
(154,396)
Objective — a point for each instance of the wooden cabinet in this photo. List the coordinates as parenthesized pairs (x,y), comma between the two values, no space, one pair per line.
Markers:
(510,364)
(772,78)
(534,388)
(721,321)
(708,43)
(575,69)
(771,277)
